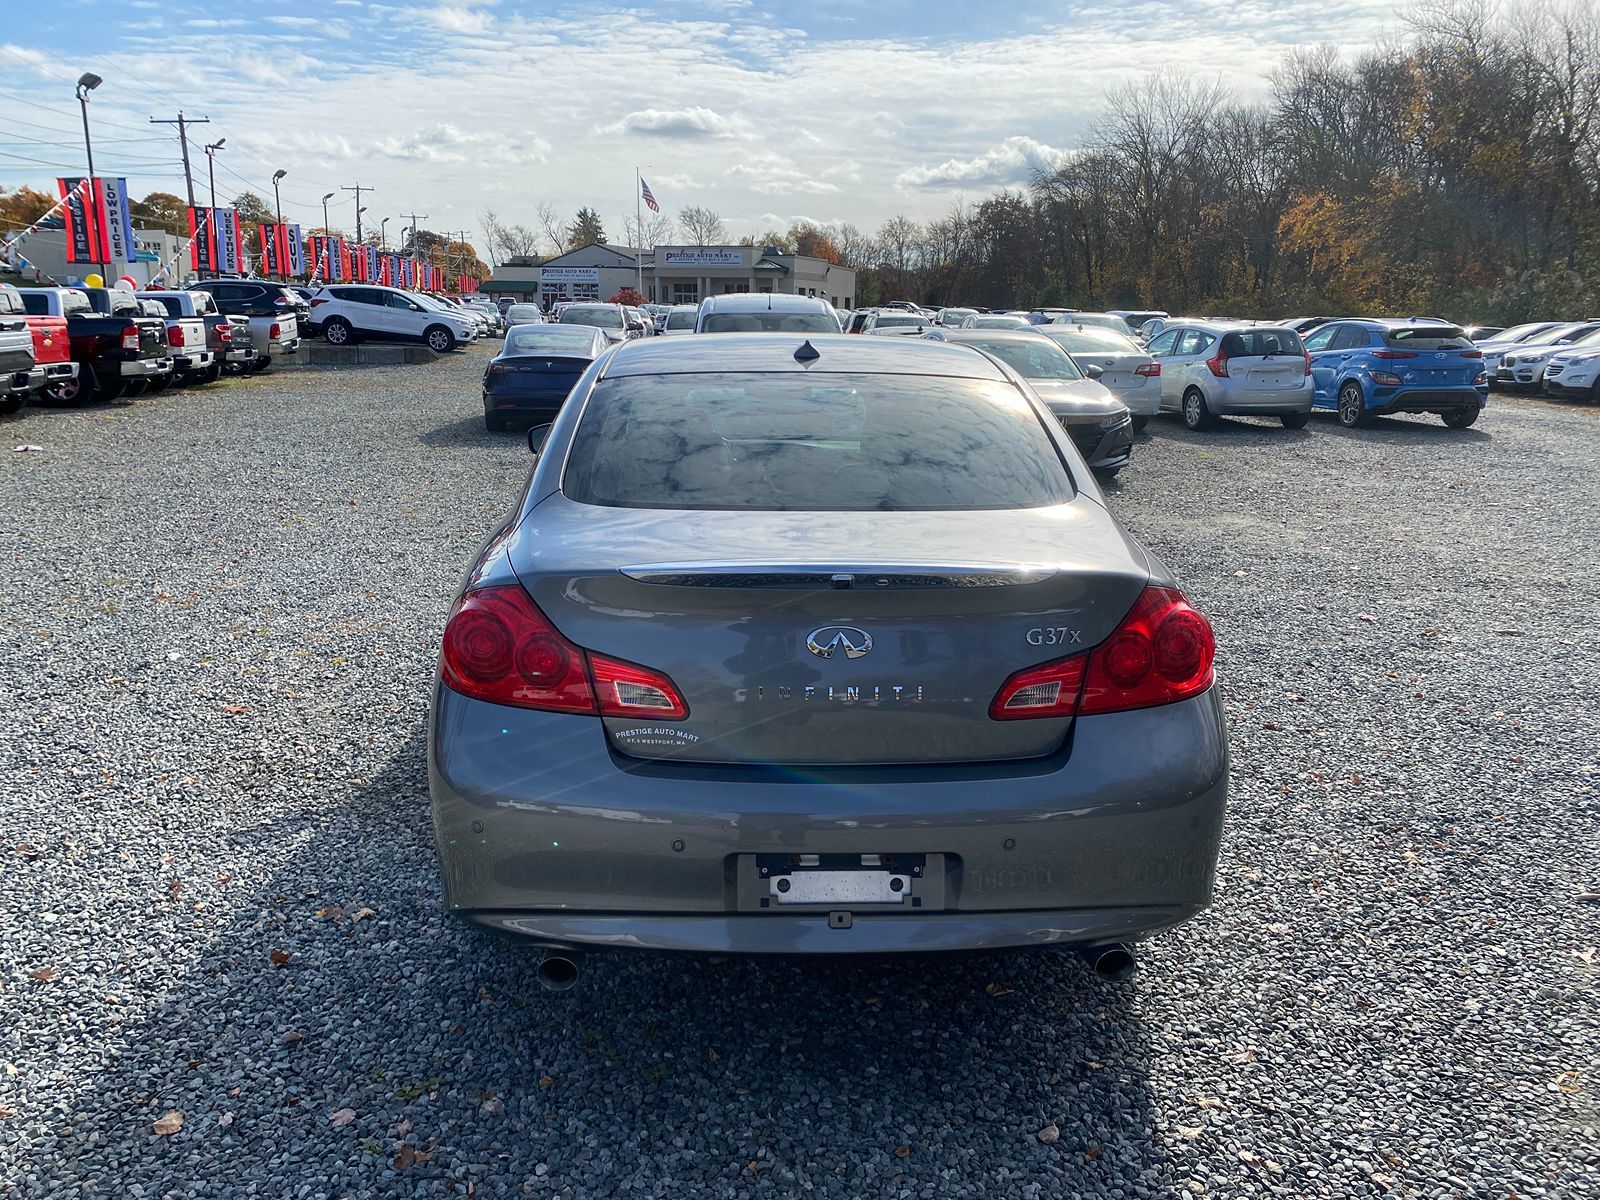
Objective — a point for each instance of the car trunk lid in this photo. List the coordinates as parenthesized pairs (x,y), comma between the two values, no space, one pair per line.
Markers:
(824,638)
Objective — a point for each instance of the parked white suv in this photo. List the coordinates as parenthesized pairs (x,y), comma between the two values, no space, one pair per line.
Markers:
(353,312)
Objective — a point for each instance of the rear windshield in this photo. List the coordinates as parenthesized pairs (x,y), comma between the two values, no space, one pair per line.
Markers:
(10,302)
(172,305)
(1088,340)
(1103,320)
(999,322)
(1258,343)
(1032,358)
(600,316)
(822,443)
(681,320)
(548,339)
(898,321)
(768,322)
(1428,337)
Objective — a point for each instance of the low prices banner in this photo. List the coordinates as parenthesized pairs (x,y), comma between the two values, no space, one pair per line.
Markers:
(98,221)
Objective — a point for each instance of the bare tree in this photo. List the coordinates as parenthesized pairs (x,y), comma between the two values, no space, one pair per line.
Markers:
(508,241)
(702,227)
(657,228)
(552,227)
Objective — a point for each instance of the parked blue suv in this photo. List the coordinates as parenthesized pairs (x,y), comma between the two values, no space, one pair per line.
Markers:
(1368,367)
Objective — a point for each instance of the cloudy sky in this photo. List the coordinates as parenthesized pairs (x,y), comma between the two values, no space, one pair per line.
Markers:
(767,112)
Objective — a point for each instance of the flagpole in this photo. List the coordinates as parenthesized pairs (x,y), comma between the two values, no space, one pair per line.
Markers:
(638,227)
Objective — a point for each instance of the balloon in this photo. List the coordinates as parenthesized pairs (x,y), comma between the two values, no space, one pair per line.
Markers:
(92,279)
(127,283)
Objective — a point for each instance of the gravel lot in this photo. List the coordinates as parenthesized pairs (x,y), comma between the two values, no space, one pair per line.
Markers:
(218,892)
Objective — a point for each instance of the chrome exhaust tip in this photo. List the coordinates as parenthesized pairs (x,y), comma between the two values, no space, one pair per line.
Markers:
(558,972)
(1111,963)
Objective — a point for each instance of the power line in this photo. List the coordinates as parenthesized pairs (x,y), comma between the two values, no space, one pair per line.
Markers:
(183,124)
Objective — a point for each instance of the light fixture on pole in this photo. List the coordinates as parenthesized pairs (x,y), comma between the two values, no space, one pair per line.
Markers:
(383,234)
(87,82)
(325,200)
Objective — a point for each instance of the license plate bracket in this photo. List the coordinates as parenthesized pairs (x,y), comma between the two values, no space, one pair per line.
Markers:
(864,883)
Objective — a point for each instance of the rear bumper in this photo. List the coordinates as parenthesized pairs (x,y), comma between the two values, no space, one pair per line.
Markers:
(1263,402)
(245,355)
(543,831)
(144,368)
(19,383)
(533,404)
(1384,401)
(193,362)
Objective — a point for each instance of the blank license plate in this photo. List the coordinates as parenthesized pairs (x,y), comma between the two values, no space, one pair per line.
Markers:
(840,887)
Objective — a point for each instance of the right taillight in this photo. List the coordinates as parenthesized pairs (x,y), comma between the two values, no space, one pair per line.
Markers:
(1150,370)
(1307,354)
(499,647)
(1160,653)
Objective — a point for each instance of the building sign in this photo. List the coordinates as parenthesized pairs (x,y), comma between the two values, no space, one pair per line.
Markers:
(570,275)
(704,258)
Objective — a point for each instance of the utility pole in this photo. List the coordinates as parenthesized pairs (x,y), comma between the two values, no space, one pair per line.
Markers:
(358,189)
(183,124)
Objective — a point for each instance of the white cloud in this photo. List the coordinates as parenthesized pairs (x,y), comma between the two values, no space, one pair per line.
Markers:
(692,123)
(1012,161)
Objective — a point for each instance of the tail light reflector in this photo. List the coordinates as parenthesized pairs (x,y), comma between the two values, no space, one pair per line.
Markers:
(1307,354)
(316,301)
(499,647)
(1392,354)
(1150,370)
(174,335)
(1218,363)
(1386,379)
(1162,652)
(276,330)
(1472,354)
(130,339)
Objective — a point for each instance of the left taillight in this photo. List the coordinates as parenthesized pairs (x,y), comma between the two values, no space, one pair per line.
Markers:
(1163,651)
(499,647)
(174,335)
(275,331)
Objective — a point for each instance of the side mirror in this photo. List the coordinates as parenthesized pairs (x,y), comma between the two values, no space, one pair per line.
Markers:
(536,437)
(1094,372)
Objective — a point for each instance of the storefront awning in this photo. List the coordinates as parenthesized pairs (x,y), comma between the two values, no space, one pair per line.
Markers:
(767,264)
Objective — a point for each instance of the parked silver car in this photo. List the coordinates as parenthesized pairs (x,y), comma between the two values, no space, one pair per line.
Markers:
(765,312)
(814,644)
(1209,370)
(996,321)
(1522,366)
(1125,367)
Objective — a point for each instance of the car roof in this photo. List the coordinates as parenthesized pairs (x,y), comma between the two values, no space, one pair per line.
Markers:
(762,302)
(775,352)
(988,335)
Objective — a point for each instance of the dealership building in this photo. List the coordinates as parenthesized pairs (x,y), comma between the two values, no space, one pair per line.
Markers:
(672,275)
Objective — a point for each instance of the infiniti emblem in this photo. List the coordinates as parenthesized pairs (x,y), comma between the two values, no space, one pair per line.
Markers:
(854,642)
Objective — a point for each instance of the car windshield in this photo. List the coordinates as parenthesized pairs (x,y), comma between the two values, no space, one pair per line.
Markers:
(1578,333)
(1032,358)
(768,322)
(683,319)
(601,316)
(547,339)
(1427,337)
(524,312)
(792,442)
(1084,339)
(999,322)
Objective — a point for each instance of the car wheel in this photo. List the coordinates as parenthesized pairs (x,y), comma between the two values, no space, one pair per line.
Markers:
(440,340)
(1462,417)
(1195,413)
(495,423)
(261,364)
(1139,423)
(336,331)
(213,373)
(1352,406)
(1294,420)
(11,404)
(78,390)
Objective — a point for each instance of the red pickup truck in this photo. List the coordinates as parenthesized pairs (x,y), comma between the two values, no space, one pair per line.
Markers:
(52,350)
(118,353)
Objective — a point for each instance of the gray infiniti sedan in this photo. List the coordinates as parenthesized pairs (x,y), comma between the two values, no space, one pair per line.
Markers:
(820,645)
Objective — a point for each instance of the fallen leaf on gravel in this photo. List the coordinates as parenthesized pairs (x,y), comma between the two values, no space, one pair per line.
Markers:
(224,878)
(44,975)
(546,1082)
(409,1156)
(902,1151)
(225,1120)
(1000,988)
(280,958)
(1248,1159)
(1190,1132)
(1049,1135)
(1570,1082)
(236,710)
(1367,617)
(6,1111)
(342,1118)
(175,888)
(1383,1181)
(484,995)
(332,913)
(289,1037)
(712,1054)
(11,1070)
(1091,1152)
(27,449)
(1586,957)
(1207,1102)
(361,914)
(168,1124)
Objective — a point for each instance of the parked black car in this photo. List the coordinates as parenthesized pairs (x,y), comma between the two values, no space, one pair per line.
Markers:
(535,370)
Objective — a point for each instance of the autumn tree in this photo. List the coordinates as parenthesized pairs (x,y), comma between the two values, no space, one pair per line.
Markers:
(161,210)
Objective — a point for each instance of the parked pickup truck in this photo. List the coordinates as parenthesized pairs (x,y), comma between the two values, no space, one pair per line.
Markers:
(193,359)
(227,338)
(20,373)
(118,353)
(52,351)
(272,309)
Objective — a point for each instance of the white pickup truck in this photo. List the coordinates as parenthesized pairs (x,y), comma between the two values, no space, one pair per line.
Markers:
(193,308)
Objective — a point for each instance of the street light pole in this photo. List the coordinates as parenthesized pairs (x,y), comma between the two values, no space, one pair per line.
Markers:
(87,82)
(326,232)
(211,176)
(277,199)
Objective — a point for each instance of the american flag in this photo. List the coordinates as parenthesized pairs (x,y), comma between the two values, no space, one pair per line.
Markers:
(649,200)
